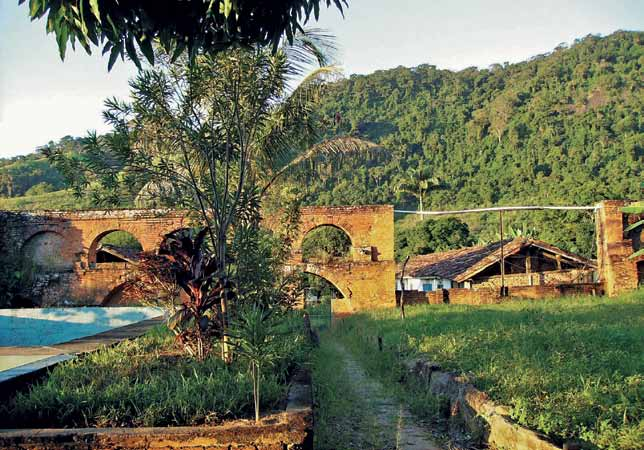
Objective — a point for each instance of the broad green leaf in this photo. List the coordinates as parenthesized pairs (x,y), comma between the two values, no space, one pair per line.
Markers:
(34,8)
(634,226)
(145,44)
(116,51)
(61,39)
(94,7)
(637,254)
(131,51)
(228,6)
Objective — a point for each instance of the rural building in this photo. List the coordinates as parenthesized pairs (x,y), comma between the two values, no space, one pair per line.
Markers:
(528,262)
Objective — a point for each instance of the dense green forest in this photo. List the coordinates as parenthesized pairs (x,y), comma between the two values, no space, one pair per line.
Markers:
(565,128)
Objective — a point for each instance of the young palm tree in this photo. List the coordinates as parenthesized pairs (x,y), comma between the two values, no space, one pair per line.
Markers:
(215,133)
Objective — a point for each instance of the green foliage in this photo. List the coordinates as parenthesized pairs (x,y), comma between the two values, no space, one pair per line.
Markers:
(430,236)
(326,243)
(59,200)
(562,128)
(192,27)
(570,367)
(20,175)
(254,337)
(145,382)
(40,188)
(122,239)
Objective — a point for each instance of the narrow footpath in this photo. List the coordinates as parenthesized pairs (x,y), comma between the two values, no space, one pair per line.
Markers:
(354,411)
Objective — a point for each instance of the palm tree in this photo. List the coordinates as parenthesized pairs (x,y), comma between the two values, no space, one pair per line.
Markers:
(216,133)
(418,182)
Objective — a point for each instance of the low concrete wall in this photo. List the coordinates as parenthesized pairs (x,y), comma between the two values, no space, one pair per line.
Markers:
(475,409)
(290,429)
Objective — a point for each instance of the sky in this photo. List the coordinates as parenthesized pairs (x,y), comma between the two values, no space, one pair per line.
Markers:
(44,99)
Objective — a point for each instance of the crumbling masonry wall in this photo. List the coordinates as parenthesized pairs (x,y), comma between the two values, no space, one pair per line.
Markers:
(616,269)
(62,247)
(367,280)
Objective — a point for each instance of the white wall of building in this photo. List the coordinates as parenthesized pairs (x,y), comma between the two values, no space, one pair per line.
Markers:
(424,284)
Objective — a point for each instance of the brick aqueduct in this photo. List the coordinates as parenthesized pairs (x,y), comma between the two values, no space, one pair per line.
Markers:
(66,244)
(63,246)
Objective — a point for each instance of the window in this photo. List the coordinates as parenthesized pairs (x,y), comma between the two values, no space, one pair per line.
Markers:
(439,284)
(427,287)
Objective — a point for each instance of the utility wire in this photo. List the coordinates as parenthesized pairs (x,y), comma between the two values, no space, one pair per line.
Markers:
(500,208)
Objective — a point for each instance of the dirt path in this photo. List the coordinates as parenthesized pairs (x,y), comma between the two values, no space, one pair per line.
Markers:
(358,413)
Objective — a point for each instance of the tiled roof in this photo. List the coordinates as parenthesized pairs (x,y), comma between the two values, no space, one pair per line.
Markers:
(462,264)
(124,253)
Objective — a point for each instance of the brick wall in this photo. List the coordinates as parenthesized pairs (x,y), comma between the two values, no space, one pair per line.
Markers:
(67,242)
(368,280)
(551,277)
(616,270)
(437,297)
(486,296)
(61,246)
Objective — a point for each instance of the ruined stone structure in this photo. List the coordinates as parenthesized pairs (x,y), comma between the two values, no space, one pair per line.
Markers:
(62,246)
(617,270)
(367,279)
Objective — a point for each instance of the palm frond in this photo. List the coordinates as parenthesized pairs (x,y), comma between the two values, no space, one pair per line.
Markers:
(293,122)
(337,146)
(310,47)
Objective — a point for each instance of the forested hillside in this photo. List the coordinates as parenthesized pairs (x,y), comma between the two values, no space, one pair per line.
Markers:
(564,128)
(560,129)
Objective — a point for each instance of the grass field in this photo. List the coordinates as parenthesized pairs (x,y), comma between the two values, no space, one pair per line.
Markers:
(570,368)
(147,382)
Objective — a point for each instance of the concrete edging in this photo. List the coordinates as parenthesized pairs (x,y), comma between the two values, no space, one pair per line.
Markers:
(477,411)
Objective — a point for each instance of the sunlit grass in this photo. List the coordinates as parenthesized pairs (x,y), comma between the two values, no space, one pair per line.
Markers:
(571,368)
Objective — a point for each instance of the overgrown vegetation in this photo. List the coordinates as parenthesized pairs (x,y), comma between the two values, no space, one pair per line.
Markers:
(149,382)
(570,368)
(430,236)
(325,244)
(561,128)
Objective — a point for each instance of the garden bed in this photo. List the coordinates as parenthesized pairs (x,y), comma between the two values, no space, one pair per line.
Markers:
(126,391)
(570,368)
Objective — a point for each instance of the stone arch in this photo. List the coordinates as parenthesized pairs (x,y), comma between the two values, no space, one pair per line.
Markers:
(325,277)
(314,226)
(348,255)
(91,251)
(46,250)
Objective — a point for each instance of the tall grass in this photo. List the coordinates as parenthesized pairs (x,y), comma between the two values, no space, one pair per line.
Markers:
(145,382)
(570,368)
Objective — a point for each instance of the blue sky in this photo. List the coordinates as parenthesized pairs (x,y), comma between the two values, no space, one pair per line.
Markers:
(43,99)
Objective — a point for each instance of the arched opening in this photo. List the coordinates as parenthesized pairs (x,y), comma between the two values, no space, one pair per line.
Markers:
(114,246)
(319,295)
(326,244)
(45,252)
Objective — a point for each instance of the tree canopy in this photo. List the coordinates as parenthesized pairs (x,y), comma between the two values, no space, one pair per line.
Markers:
(192,26)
